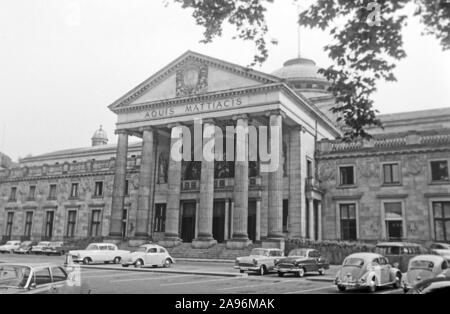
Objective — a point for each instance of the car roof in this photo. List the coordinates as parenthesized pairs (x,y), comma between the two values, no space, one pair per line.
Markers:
(102,244)
(150,246)
(364,255)
(266,249)
(397,244)
(428,257)
(31,265)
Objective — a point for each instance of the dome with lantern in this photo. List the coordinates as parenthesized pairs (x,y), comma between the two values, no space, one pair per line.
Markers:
(100,137)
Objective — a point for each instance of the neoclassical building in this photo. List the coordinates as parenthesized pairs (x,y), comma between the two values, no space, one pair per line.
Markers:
(321,188)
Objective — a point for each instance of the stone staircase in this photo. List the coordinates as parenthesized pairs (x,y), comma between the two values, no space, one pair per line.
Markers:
(217,252)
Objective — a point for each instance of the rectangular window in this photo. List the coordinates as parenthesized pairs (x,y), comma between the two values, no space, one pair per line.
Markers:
(9,224)
(95,223)
(49,224)
(71,223)
(127,188)
(347,175)
(439,171)
(32,193)
(160,218)
(394,220)
(99,188)
(391,173)
(309,168)
(285,215)
(348,222)
(28,224)
(52,193)
(441,212)
(74,190)
(13,194)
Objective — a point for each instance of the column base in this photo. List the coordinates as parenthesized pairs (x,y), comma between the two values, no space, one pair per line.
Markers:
(170,242)
(137,241)
(273,243)
(238,244)
(203,243)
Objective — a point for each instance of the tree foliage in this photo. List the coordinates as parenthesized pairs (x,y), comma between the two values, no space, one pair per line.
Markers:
(362,52)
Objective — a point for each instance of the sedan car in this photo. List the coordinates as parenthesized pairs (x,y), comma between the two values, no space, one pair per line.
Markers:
(25,247)
(367,270)
(302,261)
(425,267)
(442,249)
(261,261)
(37,279)
(437,286)
(399,253)
(148,255)
(58,248)
(39,248)
(9,247)
(99,253)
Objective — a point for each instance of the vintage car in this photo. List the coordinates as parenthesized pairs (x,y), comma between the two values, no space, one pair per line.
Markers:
(442,249)
(425,267)
(261,261)
(302,261)
(148,255)
(39,248)
(9,247)
(38,279)
(58,248)
(25,247)
(435,286)
(99,253)
(399,253)
(367,270)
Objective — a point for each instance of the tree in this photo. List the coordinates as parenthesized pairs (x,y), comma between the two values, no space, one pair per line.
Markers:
(365,50)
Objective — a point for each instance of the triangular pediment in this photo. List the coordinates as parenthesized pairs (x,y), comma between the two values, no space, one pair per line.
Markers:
(192,74)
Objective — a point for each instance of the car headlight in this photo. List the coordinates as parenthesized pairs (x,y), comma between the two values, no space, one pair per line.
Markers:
(255,262)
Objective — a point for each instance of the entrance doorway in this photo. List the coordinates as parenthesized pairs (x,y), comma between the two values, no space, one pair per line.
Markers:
(188,222)
(251,224)
(219,221)
(394,229)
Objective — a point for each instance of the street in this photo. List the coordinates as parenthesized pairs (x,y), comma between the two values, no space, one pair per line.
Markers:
(187,277)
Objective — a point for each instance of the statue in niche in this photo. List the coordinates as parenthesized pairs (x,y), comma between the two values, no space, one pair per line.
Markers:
(192,170)
(253,169)
(163,166)
(223,169)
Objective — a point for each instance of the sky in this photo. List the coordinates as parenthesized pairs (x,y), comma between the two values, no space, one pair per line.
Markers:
(62,62)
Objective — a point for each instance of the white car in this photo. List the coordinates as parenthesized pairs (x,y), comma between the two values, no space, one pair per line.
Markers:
(39,249)
(99,253)
(261,261)
(10,246)
(442,249)
(148,255)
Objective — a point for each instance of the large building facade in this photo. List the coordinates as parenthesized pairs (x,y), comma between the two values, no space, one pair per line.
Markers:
(393,187)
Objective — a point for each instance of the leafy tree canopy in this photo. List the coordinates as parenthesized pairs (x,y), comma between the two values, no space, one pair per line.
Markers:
(365,49)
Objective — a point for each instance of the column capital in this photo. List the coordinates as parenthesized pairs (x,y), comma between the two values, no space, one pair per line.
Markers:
(174,125)
(209,121)
(243,116)
(297,128)
(122,132)
(276,112)
(147,128)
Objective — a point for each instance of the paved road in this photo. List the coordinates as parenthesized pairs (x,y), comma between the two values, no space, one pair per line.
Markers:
(117,281)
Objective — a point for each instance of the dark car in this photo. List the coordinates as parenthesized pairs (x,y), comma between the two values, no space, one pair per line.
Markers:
(400,253)
(25,247)
(58,248)
(437,286)
(302,261)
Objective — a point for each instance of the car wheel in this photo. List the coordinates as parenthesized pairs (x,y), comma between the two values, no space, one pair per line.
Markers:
(397,283)
(62,253)
(262,270)
(116,260)
(86,261)
(341,288)
(167,263)
(280,274)
(138,263)
(373,285)
(301,272)
(321,271)
(125,265)
(242,271)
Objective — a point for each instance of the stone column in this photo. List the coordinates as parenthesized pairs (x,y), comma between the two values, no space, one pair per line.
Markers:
(295,183)
(172,237)
(205,219)
(119,185)
(275,237)
(146,180)
(311,219)
(227,221)
(319,220)
(258,220)
(239,237)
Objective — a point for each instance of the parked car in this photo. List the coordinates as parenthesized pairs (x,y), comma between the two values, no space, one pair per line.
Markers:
(437,286)
(39,248)
(425,267)
(37,279)
(99,253)
(442,249)
(399,253)
(367,270)
(58,248)
(9,247)
(25,247)
(148,255)
(302,261)
(261,261)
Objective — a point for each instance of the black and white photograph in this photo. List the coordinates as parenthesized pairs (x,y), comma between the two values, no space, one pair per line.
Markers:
(225,154)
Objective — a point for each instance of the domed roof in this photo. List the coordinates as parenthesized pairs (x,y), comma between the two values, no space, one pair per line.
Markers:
(100,134)
(300,69)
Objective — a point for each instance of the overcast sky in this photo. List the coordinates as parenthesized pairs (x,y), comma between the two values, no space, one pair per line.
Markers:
(59,70)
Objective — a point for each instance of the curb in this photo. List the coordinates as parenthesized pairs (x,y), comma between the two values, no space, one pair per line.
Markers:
(321,279)
(201,260)
(167,271)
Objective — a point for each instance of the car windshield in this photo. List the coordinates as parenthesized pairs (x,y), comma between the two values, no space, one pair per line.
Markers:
(14,276)
(259,252)
(299,252)
(92,247)
(421,264)
(444,246)
(10,243)
(356,262)
(141,249)
(24,244)
(43,244)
